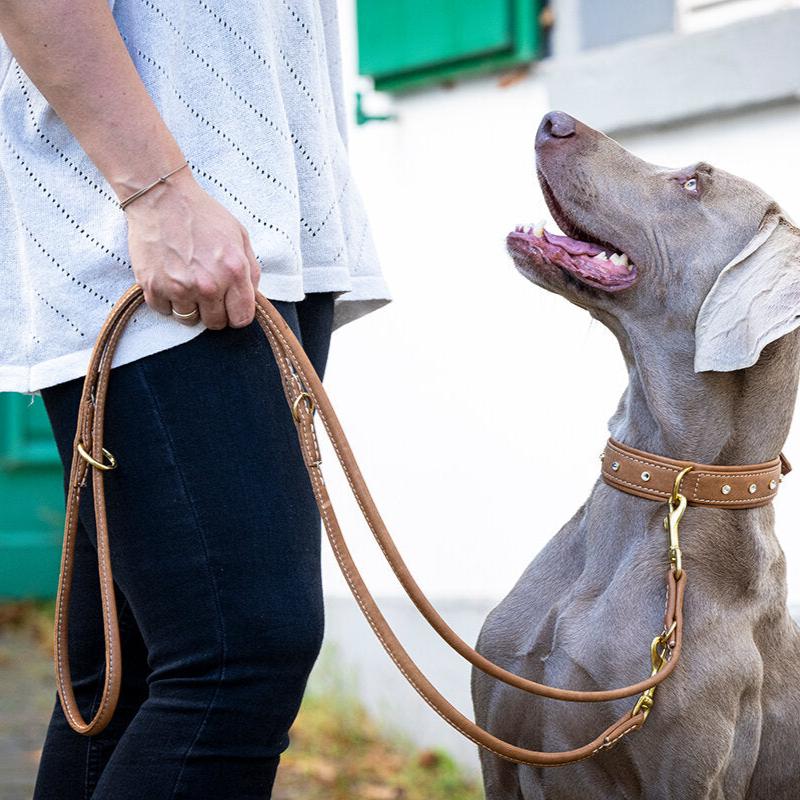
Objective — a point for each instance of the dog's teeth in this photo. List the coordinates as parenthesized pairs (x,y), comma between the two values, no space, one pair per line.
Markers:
(601,256)
(620,260)
(538,230)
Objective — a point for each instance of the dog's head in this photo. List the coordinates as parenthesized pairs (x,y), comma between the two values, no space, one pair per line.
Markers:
(651,251)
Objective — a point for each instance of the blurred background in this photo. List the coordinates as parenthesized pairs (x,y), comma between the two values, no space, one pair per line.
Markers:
(453,393)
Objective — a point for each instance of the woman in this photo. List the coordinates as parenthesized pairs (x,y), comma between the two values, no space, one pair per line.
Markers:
(214,533)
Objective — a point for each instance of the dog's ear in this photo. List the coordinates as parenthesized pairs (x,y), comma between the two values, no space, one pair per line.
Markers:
(755,299)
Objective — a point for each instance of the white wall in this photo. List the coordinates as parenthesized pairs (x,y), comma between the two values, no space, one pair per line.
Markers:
(454,392)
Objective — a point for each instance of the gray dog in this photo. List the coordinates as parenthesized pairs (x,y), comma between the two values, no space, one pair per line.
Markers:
(697,274)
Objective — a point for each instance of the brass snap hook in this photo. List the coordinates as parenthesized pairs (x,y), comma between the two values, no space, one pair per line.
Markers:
(659,655)
(677,506)
(676,487)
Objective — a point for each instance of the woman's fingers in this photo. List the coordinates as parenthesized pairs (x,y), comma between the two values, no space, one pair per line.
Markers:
(255,267)
(157,300)
(244,272)
(240,303)
(211,302)
(240,299)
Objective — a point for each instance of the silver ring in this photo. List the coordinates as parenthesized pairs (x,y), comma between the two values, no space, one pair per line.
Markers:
(189,315)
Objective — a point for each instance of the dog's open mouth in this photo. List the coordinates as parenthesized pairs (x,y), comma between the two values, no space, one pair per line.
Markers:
(592,264)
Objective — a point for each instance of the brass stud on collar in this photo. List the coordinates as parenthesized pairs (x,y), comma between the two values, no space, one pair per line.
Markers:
(773,484)
(645,476)
(726,488)
(752,488)
(615,465)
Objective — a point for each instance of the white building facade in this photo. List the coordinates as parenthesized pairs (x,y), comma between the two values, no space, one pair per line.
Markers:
(452,394)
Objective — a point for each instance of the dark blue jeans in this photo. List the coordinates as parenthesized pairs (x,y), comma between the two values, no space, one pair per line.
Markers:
(215,548)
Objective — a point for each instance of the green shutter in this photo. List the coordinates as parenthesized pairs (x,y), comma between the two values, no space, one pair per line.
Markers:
(406,42)
(31,500)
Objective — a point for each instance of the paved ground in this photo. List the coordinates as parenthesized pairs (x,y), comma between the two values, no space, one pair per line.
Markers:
(26,700)
(27,696)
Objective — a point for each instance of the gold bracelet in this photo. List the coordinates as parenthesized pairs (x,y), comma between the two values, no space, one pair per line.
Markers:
(162,179)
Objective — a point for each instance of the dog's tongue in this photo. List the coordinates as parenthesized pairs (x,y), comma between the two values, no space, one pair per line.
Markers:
(573,246)
(586,261)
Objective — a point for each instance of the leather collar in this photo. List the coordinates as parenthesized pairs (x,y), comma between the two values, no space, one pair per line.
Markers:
(647,475)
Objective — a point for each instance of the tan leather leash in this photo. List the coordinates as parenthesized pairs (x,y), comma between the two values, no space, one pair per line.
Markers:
(305,397)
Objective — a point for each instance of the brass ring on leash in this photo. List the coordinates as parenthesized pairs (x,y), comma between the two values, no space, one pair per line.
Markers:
(310,405)
(112,462)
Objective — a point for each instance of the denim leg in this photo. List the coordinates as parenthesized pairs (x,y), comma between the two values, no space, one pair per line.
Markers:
(215,545)
(71,764)
(315,319)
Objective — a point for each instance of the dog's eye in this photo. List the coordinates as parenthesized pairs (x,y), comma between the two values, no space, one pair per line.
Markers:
(690,185)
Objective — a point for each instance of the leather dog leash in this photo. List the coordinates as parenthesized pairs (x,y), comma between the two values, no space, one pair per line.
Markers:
(658,478)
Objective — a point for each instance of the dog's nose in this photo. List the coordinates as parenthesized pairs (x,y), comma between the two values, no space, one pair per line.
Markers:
(555,125)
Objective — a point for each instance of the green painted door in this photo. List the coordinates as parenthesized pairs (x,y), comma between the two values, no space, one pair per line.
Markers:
(31,500)
(404,43)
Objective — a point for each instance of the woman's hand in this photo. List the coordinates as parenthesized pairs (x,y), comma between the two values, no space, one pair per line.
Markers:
(188,251)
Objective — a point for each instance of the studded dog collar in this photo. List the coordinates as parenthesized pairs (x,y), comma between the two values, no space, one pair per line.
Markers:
(644,474)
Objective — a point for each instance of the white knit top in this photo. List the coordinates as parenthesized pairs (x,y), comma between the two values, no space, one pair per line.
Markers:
(252,92)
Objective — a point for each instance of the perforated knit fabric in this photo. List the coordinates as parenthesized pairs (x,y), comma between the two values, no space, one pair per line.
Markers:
(252,92)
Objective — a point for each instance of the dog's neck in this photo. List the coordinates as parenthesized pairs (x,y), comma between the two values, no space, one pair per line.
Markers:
(716,418)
